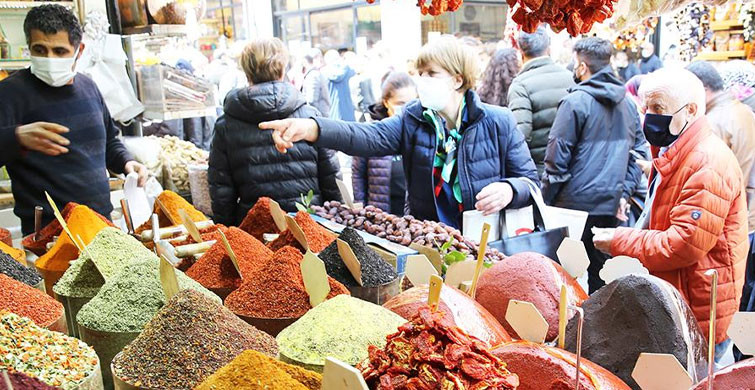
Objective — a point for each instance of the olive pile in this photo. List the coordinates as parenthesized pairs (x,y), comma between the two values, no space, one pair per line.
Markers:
(402,230)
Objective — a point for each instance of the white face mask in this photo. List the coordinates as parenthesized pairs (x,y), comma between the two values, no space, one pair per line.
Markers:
(434,93)
(55,72)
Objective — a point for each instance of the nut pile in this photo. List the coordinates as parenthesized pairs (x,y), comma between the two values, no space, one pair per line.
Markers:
(402,230)
(177,156)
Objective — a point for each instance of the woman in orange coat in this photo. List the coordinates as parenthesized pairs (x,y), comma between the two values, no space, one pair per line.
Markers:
(697,215)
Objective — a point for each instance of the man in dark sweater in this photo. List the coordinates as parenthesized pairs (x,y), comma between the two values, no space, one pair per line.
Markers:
(56,133)
(649,62)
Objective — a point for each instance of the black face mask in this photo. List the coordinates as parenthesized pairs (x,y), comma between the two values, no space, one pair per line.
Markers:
(577,80)
(656,128)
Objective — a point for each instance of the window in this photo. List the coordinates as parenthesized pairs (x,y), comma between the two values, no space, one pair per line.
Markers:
(483,21)
(368,24)
(332,29)
(294,28)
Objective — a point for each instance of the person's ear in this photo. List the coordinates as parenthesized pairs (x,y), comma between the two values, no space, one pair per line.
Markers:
(692,109)
(458,82)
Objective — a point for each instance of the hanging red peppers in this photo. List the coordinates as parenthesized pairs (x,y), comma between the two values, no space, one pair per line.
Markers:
(576,16)
(435,7)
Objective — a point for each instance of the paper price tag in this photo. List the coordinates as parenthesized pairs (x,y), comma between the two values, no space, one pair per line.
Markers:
(166,250)
(620,266)
(432,255)
(527,321)
(350,259)
(458,273)
(297,232)
(315,278)
(166,212)
(231,253)
(346,195)
(190,226)
(742,331)
(433,295)
(573,257)
(279,216)
(168,278)
(419,269)
(338,375)
(62,222)
(660,371)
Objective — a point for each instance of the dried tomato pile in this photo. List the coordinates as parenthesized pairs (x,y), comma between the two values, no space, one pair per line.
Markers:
(576,16)
(259,220)
(435,7)
(428,354)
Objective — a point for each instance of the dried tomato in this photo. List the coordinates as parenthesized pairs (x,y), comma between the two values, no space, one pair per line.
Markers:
(576,16)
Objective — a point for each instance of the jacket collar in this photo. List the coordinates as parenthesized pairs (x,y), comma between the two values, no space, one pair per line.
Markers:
(721,99)
(536,63)
(474,112)
(670,160)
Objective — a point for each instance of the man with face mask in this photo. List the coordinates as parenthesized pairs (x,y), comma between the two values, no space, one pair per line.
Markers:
(649,62)
(56,134)
(695,218)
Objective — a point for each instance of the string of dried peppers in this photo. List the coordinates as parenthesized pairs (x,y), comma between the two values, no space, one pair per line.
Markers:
(576,16)
(435,7)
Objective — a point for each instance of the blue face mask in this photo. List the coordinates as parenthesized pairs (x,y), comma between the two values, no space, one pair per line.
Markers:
(657,131)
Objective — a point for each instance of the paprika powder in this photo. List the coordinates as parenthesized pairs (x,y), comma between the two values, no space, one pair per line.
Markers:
(26,301)
(259,220)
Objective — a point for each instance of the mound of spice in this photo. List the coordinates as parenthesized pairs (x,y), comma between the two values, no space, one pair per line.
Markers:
(342,327)
(53,229)
(259,220)
(172,203)
(20,381)
(426,353)
(17,254)
(27,301)
(5,237)
(317,236)
(255,371)
(113,249)
(215,268)
(82,221)
(277,289)
(187,341)
(375,270)
(9,266)
(51,357)
(131,298)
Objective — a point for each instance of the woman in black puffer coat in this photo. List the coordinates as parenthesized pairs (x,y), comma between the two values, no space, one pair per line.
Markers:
(244,164)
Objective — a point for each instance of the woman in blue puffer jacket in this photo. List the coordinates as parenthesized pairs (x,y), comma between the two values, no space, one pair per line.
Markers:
(458,153)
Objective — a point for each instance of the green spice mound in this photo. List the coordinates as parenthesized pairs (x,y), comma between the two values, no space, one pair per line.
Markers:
(113,249)
(131,298)
(341,327)
(188,340)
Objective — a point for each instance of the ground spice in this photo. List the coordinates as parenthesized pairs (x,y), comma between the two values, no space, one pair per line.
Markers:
(255,371)
(16,254)
(375,270)
(83,222)
(172,202)
(18,271)
(259,220)
(317,236)
(27,301)
(208,234)
(188,340)
(215,269)
(51,357)
(277,289)
(5,237)
(342,327)
(21,381)
(113,250)
(426,351)
(53,229)
(131,298)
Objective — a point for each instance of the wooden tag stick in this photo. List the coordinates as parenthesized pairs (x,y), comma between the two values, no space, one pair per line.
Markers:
(315,278)
(6,379)
(62,222)
(168,278)
(88,254)
(38,210)
(580,323)
(562,308)
(155,228)
(350,260)
(712,326)
(433,296)
(192,249)
(166,250)
(279,217)
(480,258)
(297,232)
(190,226)
(127,216)
(231,254)
(166,212)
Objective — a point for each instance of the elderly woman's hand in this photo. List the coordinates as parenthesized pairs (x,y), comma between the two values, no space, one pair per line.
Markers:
(288,131)
(494,198)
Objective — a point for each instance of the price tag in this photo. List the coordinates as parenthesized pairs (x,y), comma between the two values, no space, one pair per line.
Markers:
(460,272)
(419,269)
(527,321)
(315,278)
(563,306)
(166,212)
(190,226)
(62,222)
(279,217)
(742,331)
(573,257)
(620,266)
(346,195)
(433,295)
(297,232)
(338,375)
(231,254)
(480,258)
(350,259)
(660,371)
(432,255)
(168,278)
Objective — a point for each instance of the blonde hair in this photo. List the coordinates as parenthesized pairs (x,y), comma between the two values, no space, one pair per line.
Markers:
(264,60)
(454,57)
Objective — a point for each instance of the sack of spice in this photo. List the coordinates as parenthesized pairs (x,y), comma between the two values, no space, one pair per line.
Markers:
(277,290)
(40,353)
(17,254)
(342,327)
(172,203)
(200,188)
(214,269)
(427,351)
(189,339)
(375,270)
(254,371)
(461,311)
(20,381)
(24,300)
(113,250)
(318,238)
(9,266)
(259,220)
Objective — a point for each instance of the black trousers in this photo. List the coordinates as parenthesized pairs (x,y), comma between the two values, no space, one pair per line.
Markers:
(597,258)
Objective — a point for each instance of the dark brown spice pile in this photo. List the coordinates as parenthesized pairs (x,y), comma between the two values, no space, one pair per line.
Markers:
(188,340)
(18,271)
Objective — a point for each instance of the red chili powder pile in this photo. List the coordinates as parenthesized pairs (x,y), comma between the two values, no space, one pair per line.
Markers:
(208,234)
(259,220)
(318,237)
(277,289)
(27,301)
(5,237)
(53,229)
(215,269)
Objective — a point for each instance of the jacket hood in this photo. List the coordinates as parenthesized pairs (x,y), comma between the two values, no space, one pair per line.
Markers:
(377,111)
(604,86)
(263,102)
